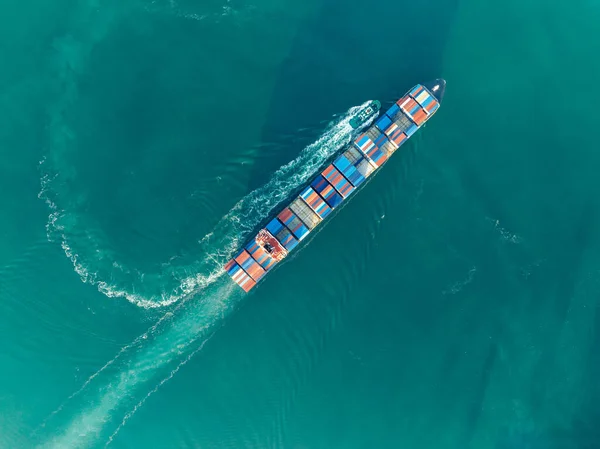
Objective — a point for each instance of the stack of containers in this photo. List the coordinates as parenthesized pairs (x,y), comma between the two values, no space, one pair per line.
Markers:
(250,266)
(337,180)
(286,238)
(382,141)
(327,191)
(316,203)
(347,168)
(293,223)
(239,275)
(282,234)
(333,185)
(305,213)
(413,109)
(405,124)
(370,150)
(260,255)
(425,99)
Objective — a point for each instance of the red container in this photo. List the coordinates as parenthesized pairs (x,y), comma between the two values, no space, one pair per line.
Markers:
(243,280)
(431,105)
(420,116)
(249,265)
(229,264)
(337,180)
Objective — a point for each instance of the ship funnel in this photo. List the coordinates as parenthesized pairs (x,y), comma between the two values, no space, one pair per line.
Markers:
(437,88)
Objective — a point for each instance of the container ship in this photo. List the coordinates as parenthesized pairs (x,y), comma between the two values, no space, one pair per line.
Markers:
(336,183)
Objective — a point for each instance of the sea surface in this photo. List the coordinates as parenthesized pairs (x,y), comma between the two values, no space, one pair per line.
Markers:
(453,303)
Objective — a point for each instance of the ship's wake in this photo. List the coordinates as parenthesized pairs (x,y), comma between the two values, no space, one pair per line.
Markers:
(97,264)
(110,396)
(181,332)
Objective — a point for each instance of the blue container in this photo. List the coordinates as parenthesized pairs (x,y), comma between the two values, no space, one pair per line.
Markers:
(415,90)
(355,177)
(233,269)
(319,183)
(381,140)
(342,163)
(391,111)
(427,102)
(259,254)
(383,123)
(378,157)
(299,230)
(411,130)
(274,226)
(334,199)
(286,238)
(415,109)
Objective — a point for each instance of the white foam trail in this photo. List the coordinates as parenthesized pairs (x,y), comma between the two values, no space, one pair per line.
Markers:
(123,350)
(176,342)
(172,7)
(217,246)
(174,371)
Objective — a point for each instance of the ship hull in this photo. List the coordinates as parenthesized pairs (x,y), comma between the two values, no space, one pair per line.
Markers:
(335,184)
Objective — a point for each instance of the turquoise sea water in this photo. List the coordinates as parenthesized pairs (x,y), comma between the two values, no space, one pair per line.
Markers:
(453,303)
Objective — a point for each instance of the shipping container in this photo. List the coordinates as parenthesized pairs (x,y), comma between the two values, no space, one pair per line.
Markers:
(352,154)
(348,170)
(398,137)
(337,180)
(352,165)
(411,107)
(378,157)
(388,148)
(274,226)
(367,147)
(293,223)
(376,135)
(411,130)
(405,100)
(229,265)
(260,255)
(392,110)
(327,191)
(427,101)
(432,107)
(305,213)
(416,90)
(241,277)
(372,153)
(286,238)
(365,168)
(314,200)
(381,140)
(422,97)
(403,122)
(250,266)
(364,143)
(383,123)
(420,116)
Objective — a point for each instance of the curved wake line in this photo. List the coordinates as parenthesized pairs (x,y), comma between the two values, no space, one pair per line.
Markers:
(217,246)
(203,316)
